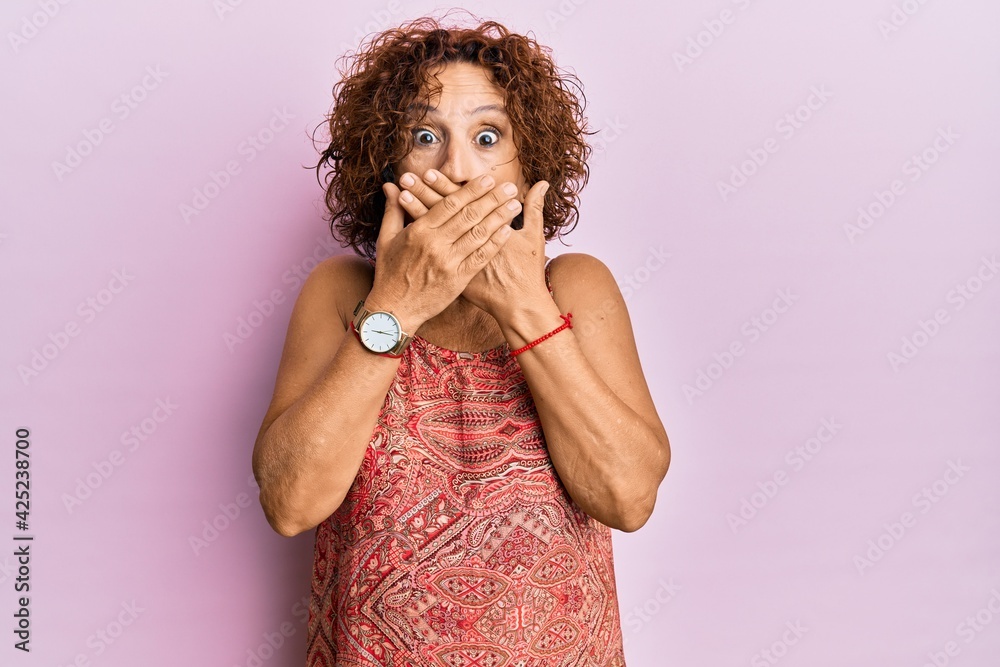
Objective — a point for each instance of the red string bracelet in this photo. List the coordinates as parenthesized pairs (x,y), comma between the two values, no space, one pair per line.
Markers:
(567,324)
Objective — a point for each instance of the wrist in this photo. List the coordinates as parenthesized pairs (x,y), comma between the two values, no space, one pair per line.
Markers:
(529,322)
(377,300)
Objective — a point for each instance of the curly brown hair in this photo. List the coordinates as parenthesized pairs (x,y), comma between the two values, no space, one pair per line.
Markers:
(368,126)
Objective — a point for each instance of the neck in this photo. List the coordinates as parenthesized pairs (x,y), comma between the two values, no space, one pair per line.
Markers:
(461,313)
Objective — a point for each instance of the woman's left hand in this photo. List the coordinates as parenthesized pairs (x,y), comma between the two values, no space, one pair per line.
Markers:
(516,275)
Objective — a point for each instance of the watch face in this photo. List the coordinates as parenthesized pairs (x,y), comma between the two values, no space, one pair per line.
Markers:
(380,332)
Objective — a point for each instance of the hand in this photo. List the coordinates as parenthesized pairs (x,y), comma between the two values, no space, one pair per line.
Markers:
(514,275)
(423,267)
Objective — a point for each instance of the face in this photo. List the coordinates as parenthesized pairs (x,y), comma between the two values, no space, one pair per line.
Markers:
(460,140)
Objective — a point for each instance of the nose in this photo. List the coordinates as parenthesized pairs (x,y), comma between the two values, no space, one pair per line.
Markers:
(460,163)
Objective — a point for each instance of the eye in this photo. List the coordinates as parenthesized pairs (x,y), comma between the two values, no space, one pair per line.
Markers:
(422,132)
(487,132)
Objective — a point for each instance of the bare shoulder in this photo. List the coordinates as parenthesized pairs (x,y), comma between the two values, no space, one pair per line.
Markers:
(342,280)
(319,320)
(575,276)
(584,286)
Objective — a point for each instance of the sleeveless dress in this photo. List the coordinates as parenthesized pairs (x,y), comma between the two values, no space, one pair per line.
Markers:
(457,544)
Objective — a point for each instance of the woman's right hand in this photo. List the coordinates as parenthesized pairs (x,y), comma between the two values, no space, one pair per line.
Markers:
(424,266)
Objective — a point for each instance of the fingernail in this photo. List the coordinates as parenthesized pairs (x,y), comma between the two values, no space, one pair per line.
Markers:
(407,180)
(510,188)
(406,196)
(487,181)
(430,176)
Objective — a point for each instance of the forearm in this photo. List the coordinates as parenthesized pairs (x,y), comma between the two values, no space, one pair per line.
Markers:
(307,459)
(606,455)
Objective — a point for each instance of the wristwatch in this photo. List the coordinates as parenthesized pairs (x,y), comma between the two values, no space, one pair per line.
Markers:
(379,331)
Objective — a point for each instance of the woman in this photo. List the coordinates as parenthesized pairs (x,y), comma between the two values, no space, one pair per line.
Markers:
(462,421)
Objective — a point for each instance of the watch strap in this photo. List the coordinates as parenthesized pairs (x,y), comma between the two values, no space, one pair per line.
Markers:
(360,313)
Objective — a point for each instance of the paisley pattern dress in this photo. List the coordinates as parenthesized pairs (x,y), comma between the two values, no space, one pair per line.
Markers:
(457,544)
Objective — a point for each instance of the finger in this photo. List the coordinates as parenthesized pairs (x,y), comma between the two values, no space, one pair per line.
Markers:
(453,207)
(484,254)
(439,183)
(411,204)
(482,233)
(534,208)
(392,218)
(421,190)
(473,212)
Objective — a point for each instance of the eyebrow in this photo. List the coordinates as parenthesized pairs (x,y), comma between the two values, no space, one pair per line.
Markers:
(420,106)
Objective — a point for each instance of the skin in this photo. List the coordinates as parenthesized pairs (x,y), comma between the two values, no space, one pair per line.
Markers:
(601,427)
(457,146)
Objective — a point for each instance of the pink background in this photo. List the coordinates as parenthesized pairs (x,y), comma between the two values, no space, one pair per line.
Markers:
(701,273)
